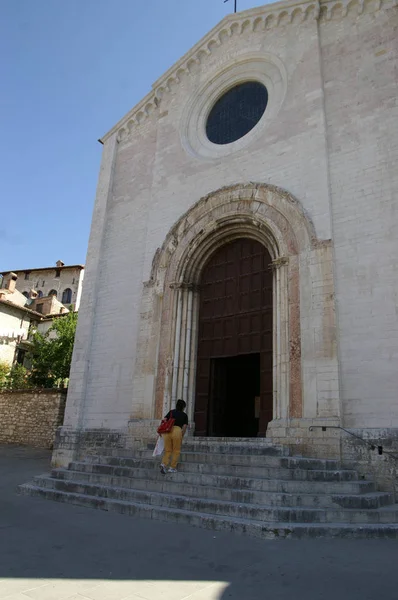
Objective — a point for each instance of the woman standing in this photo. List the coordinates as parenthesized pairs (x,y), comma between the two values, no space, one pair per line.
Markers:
(173,440)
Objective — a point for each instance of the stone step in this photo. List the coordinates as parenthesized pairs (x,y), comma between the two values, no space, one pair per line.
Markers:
(213,476)
(149,444)
(240,440)
(168,485)
(247,442)
(288,462)
(218,507)
(215,522)
(223,460)
(231,448)
(209,463)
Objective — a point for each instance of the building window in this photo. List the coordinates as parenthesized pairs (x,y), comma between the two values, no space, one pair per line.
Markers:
(40,294)
(21,356)
(57,272)
(67,296)
(39,308)
(26,294)
(236,112)
(43,283)
(52,293)
(27,273)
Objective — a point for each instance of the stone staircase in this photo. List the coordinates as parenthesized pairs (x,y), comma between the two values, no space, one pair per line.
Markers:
(243,485)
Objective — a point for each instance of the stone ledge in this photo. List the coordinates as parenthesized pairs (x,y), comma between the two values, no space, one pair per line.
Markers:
(40,391)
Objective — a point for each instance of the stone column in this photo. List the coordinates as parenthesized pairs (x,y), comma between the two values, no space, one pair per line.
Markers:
(280,338)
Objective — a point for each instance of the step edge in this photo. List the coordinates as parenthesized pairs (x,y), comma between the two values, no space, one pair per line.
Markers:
(263,525)
(368,495)
(224,503)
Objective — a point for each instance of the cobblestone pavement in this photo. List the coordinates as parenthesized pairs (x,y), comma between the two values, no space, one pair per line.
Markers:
(51,551)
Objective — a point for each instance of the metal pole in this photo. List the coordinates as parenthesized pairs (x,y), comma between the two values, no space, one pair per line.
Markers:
(235,4)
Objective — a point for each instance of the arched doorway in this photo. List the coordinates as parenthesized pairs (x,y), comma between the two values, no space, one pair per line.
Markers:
(234,374)
(254,211)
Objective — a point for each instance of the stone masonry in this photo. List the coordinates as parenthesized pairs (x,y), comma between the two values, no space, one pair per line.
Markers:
(31,417)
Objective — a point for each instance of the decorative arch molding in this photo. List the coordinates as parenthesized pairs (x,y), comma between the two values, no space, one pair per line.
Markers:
(262,212)
(270,211)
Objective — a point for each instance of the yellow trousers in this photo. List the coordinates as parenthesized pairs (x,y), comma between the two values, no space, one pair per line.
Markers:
(172,447)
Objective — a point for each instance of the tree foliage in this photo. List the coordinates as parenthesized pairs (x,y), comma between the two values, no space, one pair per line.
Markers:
(19,378)
(14,378)
(51,353)
(4,374)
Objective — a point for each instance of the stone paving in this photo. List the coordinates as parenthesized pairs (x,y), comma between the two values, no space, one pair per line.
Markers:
(51,551)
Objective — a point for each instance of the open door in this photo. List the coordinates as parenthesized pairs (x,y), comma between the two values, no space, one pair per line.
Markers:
(218,402)
(235,334)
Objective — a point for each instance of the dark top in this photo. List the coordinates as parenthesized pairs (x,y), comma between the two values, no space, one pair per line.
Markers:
(180,417)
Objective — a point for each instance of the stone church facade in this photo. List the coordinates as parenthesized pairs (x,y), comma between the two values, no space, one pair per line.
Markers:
(261,251)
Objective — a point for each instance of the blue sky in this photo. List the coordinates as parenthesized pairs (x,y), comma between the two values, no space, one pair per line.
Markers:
(69,71)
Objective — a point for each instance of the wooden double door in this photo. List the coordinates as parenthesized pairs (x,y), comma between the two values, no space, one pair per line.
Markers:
(234,358)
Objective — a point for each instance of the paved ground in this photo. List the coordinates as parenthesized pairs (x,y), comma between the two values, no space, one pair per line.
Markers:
(51,551)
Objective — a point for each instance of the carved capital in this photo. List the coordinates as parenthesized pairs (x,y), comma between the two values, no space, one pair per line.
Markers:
(279,262)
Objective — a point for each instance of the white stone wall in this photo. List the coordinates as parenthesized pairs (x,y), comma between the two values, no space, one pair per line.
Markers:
(11,319)
(331,145)
(360,61)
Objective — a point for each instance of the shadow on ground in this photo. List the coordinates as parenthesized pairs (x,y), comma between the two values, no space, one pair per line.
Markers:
(106,556)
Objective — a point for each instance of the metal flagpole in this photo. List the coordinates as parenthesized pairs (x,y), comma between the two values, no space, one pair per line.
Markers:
(235,4)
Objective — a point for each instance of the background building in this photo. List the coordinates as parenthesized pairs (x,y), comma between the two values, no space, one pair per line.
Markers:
(20,315)
(62,281)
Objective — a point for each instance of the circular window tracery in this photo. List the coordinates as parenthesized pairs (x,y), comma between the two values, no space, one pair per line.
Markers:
(237,112)
(266,72)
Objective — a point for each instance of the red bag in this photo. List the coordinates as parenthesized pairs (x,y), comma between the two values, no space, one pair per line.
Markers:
(167,424)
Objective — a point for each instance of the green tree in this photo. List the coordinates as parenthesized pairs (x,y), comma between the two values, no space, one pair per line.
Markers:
(13,378)
(51,353)
(4,375)
(18,378)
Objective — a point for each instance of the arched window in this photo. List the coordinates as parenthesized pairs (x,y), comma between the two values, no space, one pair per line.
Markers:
(52,293)
(67,296)
(40,294)
(26,294)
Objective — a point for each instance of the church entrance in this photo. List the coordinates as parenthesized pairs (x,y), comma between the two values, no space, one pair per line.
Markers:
(234,360)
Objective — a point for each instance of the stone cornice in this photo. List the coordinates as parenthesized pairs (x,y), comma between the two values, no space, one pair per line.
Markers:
(256,19)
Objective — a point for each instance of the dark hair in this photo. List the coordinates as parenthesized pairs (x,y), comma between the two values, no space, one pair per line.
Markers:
(181,404)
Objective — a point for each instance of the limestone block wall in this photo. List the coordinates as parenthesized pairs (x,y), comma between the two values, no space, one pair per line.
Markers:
(154,180)
(31,417)
(100,393)
(360,57)
(382,467)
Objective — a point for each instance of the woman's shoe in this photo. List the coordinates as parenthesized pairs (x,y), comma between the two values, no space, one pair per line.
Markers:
(172,470)
(163,469)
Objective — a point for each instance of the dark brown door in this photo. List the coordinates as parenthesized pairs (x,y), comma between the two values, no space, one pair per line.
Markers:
(218,390)
(235,319)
